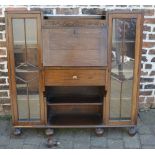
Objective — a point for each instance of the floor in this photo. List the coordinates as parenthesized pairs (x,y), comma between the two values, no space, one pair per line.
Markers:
(113,138)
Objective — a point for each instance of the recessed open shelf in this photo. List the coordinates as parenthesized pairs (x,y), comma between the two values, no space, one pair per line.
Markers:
(71,106)
(81,95)
(75,100)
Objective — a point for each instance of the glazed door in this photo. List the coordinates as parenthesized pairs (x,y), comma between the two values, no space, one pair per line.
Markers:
(124,66)
(25,68)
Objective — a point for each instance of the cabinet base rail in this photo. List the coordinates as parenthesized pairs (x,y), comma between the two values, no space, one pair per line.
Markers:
(74,126)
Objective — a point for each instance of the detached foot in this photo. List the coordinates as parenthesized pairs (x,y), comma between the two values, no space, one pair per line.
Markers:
(49,132)
(51,143)
(99,131)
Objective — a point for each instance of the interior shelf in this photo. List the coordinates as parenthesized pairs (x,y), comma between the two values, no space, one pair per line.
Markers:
(67,104)
(75,119)
(75,100)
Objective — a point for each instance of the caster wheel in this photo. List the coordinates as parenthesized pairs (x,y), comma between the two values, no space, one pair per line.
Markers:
(49,132)
(99,131)
(51,143)
(132,131)
(17,131)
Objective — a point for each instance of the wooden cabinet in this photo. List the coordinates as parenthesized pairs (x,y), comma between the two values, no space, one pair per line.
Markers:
(74,71)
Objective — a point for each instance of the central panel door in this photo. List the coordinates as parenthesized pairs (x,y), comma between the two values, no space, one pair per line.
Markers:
(73,44)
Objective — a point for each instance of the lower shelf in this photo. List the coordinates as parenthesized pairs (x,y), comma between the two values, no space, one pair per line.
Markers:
(75,120)
(75,99)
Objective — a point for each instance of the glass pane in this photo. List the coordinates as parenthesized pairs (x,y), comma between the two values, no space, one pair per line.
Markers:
(127,89)
(26,70)
(34,99)
(22,100)
(19,41)
(27,93)
(32,56)
(115,99)
(25,50)
(19,55)
(126,109)
(18,31)
(130,26)
(115,109)
(121,93)
(31,31)
(27,75)
(123,53)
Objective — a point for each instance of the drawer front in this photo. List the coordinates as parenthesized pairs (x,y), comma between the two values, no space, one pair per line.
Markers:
(75,77)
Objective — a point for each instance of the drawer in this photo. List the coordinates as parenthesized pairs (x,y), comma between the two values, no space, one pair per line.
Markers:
(76,77)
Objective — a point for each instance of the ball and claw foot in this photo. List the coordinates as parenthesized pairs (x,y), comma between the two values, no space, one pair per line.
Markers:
(99,131)
(17,131)
(132,131)
(49,132)
(52,143)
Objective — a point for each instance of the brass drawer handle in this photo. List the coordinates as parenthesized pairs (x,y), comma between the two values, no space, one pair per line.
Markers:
(74,77)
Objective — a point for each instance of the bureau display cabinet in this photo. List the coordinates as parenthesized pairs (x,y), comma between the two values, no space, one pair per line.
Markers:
(74,71)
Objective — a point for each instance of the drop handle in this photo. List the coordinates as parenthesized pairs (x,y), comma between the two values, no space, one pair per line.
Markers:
(74,77)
